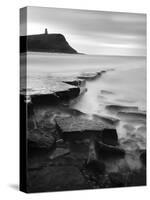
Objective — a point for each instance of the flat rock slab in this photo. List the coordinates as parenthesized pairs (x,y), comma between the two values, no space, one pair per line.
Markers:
(107,119)
(119,108)
(88,75)
(59,152)
(105,150)
(38,139)
(77,128)
(54,178)
(74,81)
(50,90)
(133,115)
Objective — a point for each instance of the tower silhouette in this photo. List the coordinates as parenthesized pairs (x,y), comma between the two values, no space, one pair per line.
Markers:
(46,31)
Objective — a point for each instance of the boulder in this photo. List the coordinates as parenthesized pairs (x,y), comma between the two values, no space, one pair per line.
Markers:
(78,128)
(52,91)
(108,151)
(96,166)
(109,136)
(39,139)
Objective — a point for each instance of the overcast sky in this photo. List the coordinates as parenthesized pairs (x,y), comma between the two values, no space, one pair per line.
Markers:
(92,32)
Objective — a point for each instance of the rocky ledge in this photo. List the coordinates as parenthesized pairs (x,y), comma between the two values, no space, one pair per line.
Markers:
(91,75)
(55,90)
(78,128)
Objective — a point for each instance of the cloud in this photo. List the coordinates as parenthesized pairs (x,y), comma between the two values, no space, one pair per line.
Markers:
(93,32)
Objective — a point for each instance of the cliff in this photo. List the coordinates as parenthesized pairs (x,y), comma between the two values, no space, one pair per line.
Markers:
(45,43)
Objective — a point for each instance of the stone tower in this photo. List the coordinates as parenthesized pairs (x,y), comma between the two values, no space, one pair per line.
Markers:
(46,31)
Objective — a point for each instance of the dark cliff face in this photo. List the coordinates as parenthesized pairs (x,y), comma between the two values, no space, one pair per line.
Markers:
(45,43)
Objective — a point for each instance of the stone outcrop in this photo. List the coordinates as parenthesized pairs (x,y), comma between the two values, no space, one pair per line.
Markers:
(52,43)
(132,115)
(56,93)
(59,151)
(119,108)
(39,139)
(105,150)
(78,128)
(88,75)
(106,119)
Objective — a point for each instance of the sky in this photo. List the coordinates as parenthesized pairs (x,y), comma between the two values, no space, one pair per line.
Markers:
(92,32)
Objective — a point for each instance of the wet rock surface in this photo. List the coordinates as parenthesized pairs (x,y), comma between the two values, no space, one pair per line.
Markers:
(119,108)
(59,152)
(77,128)
(40,139)
(132,115)
(107,119)
(105,150)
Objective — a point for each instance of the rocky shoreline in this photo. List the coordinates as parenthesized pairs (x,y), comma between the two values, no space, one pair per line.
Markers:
(67,149)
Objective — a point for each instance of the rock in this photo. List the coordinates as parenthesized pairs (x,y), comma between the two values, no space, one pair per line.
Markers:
(116,179)
(56,178)
(69,94)
(92,151)
(104,150)
(75,112)
(38,139)
(96,166)
(88,75)
(136,178)
(73,81)
(119,108)
(41,99)
(93,164)
(57,97)
(78,128)
(110,137)
(143,157)
(59,152)
(102,72)
(107,119)
(52,92)
(130,115)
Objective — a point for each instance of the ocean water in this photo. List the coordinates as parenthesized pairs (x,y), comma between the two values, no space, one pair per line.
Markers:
(127,81)
(125,85)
